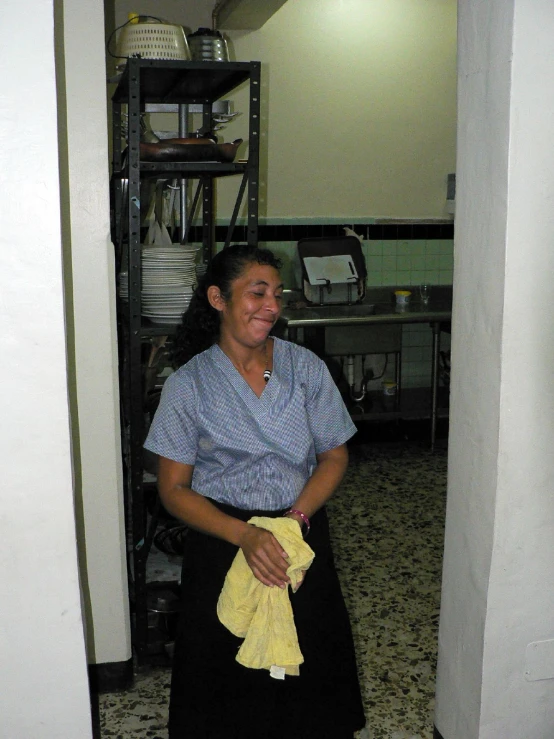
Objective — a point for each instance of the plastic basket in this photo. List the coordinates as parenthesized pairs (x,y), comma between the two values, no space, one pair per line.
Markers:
(152,41)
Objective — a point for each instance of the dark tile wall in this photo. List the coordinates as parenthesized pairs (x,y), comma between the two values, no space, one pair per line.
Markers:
(371,231)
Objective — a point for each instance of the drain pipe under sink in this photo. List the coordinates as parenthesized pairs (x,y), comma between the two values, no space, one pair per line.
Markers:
(351,379)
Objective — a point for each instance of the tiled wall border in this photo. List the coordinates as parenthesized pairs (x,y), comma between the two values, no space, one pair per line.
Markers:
(281,232)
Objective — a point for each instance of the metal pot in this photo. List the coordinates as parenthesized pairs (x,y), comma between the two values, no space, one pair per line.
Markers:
(208,46)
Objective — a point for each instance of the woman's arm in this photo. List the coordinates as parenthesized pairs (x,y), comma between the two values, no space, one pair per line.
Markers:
(326,477)
(264,554)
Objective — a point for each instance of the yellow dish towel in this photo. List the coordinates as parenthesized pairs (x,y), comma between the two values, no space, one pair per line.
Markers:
(261,615)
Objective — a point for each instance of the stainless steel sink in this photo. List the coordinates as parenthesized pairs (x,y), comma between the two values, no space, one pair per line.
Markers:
(346,311)
(314,315)
(348,329)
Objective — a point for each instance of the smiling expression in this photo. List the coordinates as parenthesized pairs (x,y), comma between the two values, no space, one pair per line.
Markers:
(254,307)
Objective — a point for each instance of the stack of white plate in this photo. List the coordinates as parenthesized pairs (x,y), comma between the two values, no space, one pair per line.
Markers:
(123,285)
(168,282)
(201,269)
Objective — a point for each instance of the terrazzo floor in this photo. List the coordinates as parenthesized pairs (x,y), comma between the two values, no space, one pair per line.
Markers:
(387,524)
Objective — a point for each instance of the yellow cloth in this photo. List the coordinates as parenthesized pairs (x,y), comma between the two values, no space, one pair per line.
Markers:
(261,615)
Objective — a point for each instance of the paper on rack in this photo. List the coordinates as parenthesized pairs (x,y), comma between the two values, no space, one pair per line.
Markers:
(333,270)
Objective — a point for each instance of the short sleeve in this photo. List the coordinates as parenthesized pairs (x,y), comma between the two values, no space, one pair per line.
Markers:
(329,420)
(173,433)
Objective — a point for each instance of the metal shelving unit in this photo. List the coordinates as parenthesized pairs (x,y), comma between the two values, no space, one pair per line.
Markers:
(175,85)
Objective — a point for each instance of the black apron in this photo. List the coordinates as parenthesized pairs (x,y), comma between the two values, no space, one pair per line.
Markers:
(214,697)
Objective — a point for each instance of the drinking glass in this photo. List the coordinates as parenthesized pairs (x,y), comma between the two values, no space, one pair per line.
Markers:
(424,293)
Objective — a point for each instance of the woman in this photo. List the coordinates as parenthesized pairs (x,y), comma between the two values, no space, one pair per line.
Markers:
(252,425)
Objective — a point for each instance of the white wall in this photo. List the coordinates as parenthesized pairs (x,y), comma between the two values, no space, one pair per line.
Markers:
(499,551)
(43,677)
(521,596)
(90,285)
(191,14)
(358,107)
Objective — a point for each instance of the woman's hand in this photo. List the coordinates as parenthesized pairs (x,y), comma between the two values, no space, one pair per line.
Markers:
(265,556)
(299,581)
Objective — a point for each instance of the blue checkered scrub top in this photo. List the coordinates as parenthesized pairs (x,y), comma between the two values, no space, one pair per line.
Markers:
(250,452)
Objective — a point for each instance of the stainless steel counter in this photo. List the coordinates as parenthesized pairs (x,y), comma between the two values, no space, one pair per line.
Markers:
(366,313)
(379,308)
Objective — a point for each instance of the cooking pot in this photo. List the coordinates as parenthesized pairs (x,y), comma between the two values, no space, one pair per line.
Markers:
(208,46)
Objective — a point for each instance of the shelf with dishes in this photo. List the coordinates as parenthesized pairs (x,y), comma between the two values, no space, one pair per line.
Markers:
(156,277)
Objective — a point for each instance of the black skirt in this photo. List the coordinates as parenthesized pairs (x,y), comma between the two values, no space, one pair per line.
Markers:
(214,697)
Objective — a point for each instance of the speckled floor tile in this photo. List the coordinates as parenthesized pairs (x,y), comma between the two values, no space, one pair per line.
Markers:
(139,712)
(387,523)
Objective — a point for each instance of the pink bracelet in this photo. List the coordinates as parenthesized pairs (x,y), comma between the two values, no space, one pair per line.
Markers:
(305,519)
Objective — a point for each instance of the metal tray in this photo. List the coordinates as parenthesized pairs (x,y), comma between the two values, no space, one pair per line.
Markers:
(199,151)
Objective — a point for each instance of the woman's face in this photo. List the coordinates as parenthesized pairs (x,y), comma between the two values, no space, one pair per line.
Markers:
(254,306)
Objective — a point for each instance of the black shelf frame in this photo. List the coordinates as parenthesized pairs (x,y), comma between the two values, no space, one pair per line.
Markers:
(172,81)
(143,82)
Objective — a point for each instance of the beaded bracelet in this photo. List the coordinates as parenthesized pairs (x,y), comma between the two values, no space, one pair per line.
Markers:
(305,519)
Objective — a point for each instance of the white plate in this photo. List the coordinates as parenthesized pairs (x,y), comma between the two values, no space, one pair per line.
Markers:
(147,248)
(174,269)
(157,253)
(168,266)
(162,319)
(164,314)
(166,291)
(168,258)
(162,278)
(168,287)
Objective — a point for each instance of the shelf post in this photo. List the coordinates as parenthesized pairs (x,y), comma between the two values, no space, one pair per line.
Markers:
(134,369)
(254,153)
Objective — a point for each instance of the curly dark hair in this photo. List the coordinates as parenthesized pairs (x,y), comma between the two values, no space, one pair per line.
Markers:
(199,327)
